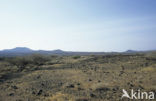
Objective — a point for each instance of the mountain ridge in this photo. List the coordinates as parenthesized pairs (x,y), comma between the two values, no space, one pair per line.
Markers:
(20,51)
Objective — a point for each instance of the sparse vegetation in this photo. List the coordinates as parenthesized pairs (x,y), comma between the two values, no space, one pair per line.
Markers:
(76,57)
(22,61)
(75,78)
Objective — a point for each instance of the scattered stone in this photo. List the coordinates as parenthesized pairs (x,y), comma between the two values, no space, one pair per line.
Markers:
(14,87)
(80,88)
(102,89)
(140,82)
(46,95)
(38,76)
(19,100)
(70,86)
(90,89)
(82,99)
(60,84)
(99,80)
(11,94)
(130,84)
(33,92)
(92,95)
(84,71)
(90,79)
(115,88)
(141,87)
(40,92)
(42,84)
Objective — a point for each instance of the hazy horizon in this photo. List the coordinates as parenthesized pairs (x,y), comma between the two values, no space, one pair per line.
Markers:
(74,50)
(78,25)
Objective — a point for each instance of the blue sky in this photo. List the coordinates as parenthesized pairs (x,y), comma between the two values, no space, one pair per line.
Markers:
(78,25)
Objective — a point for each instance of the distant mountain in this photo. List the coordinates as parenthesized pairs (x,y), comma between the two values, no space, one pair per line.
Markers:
(18,49)
(131,51)
(135,51)
(21,51)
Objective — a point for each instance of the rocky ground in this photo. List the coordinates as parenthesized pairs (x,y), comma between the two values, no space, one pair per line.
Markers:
(78,78)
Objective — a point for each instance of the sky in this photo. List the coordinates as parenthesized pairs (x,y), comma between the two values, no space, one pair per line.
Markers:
(78,25)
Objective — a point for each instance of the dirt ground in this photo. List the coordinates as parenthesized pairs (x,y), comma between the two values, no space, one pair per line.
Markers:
(78,78)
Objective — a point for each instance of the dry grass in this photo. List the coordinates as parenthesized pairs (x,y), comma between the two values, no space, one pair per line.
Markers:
(85,78)
(149,69)
(61,97)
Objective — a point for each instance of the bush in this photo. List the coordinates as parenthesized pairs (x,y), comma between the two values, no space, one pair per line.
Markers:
(20,62)
(76,57)
(23,61)
(38,59)
(2,58)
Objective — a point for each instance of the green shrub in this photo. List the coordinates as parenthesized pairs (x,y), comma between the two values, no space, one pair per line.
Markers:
(38,59)
(23,61)
(20,62)
(76,57)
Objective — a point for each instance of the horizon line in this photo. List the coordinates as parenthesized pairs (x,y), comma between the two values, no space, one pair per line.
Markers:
(77,51)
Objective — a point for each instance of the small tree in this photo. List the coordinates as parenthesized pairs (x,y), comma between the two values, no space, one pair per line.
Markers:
(20,62)
(39,59)
(76,57)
